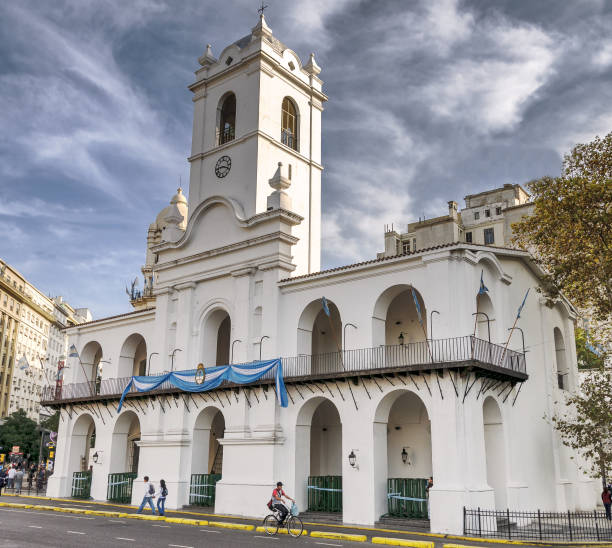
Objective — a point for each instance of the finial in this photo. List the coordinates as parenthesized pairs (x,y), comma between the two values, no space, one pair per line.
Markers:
(311,67)
(262,9)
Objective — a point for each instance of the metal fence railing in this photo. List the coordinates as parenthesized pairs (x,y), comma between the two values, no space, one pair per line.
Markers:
(202,489)
(119,487)
(325,493)
(407,497)
(437,353)
(537,525)
(81,485)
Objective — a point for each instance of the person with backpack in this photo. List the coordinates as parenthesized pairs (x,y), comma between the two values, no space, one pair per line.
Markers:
(161,497)
(149,495)
(276,503)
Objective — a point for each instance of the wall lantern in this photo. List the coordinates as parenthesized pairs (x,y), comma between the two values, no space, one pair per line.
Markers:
(95,457)
(406,456)
(352,458)
(401,338)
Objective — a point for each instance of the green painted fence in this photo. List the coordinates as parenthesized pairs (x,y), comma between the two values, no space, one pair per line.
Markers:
(202,489)
(120,487)
(81,485)
(407,497)
(325,493)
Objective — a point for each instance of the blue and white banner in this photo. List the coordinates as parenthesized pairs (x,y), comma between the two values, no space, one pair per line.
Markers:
(202,380)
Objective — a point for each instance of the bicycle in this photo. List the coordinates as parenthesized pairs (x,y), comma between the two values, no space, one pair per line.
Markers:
(272,523)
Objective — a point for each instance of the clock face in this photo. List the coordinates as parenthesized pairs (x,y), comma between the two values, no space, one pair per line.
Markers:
(223,166)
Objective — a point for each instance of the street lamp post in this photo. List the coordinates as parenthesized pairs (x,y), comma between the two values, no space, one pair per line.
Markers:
(431,323)
(149,364)
(172,362)
(488,323)
(232,352)
(344,334)
(260,344)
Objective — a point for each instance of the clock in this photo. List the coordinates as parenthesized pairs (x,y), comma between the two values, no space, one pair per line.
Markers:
(223,166)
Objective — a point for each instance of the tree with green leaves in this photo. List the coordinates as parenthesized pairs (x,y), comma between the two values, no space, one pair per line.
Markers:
(570,231)
(570,237)
(19,429)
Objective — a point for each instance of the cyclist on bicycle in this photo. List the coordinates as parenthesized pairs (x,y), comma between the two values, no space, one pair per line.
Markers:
(277,501)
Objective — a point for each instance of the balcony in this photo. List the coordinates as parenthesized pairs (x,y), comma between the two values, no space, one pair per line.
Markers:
(459,354)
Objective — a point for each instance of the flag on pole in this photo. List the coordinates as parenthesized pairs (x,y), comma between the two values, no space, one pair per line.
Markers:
(518,315)
(72,353)
(325,307)
(417,305)
(23,363)
(483,288)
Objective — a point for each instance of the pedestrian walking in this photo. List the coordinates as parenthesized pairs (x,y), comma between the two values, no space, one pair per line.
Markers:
(11,477)
(161,497)
(18,480)
(2,479)
(149,495)
(606,498)
(40,478)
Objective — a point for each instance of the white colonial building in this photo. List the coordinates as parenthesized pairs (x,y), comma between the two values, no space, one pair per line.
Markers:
(232,276)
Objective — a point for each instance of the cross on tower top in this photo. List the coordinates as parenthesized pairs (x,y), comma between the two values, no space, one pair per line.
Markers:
(262,8)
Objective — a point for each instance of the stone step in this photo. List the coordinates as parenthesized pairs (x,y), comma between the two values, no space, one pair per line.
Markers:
(403,524)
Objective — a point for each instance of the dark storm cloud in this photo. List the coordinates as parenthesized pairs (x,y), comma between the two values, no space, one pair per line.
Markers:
(429,101)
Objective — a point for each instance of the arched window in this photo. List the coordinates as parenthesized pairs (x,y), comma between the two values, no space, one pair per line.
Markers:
(227,119)
(289,124)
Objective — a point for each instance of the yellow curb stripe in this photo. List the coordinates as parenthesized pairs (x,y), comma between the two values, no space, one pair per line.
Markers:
(456,546)
(186,521)
(338,536)
(228,525)
(402,542)
(282,531)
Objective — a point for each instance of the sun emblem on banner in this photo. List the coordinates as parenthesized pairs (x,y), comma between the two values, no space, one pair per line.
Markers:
(200,374)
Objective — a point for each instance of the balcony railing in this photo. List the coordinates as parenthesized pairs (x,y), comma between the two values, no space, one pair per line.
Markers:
(456,353)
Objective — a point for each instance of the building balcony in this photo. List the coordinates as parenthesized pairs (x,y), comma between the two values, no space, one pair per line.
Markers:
(459,354)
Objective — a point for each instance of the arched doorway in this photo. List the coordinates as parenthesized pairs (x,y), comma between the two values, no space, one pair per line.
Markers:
(562,371)
(82,448)
(206,456)
(485,320)
(216,338)
(133,356)
(319,456)
(124,457)
(397,318)
(319,336)
(494,451)
(402,455)
(90,367)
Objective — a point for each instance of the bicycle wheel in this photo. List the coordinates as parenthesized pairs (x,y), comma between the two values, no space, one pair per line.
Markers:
(270,524)
(295,527)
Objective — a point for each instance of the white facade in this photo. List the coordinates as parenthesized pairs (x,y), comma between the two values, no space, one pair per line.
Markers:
(237,281)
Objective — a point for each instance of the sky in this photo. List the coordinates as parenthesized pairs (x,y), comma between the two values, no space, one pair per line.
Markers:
(428,101)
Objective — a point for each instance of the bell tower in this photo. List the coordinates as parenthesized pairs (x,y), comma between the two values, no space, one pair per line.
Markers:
(257,120)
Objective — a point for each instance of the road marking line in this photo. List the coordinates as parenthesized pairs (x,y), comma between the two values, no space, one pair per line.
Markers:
(210,531)
(328,544)
(122,538)
(35,526)
(268,537)
(58,514)
(155,525)
(179,546)
(116,521)
(76,532)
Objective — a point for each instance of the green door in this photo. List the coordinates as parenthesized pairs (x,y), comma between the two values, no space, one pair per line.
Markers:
(120,487)
(81,485)
(407,497)
(203,488)
(325,493)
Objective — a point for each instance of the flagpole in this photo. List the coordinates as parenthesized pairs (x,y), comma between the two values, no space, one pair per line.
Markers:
(420,317)
(83,369)
(508,342)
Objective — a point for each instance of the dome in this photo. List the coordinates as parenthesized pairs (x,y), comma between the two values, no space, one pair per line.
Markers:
(179,197)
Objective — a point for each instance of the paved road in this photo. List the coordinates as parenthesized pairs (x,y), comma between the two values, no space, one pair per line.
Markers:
(30,528)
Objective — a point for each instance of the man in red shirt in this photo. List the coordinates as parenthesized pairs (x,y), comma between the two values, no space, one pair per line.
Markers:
(277,500)
(606,498)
